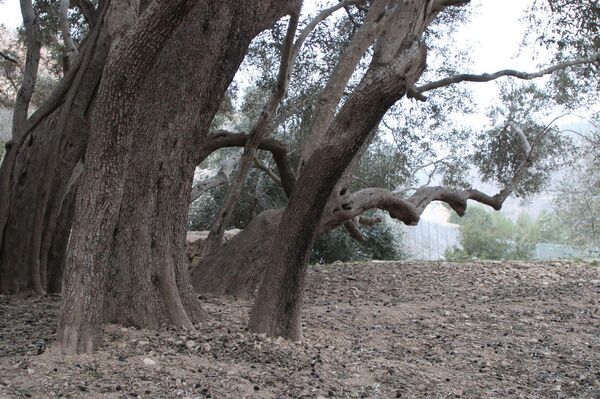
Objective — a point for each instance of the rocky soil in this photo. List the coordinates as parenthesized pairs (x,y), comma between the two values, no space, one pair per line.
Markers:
(404,329)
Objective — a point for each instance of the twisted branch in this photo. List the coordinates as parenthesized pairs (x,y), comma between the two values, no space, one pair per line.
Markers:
(223,138)
(409,210)
(417,92)
(222,177)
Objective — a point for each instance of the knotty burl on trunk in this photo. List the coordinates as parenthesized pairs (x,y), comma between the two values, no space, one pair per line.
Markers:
(126,259)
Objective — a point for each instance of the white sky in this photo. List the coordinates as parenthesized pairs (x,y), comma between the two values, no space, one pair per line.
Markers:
(10,14)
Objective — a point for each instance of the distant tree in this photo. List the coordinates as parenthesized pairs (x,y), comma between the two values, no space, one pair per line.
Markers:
(488,235)
(576,204)
(551,229)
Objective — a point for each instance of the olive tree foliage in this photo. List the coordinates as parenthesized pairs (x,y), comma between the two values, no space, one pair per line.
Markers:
(380,242)
(52,66)
(567,29)
(576,199)
(499,151)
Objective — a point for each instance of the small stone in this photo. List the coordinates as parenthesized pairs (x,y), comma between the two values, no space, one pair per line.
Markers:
(30,371)
(190,344)
(206,347)
(149,362)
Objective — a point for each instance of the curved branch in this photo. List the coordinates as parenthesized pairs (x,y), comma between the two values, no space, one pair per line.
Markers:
(32,61)
(259,165)
(352,226)
(372,198)
(70,47)
(486,77)
(222,177)
(409,210)
(354,231)
(9,58)
(222,139)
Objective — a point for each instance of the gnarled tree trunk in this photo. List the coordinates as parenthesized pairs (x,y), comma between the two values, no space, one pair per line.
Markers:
(36,218)
(126,260)
(237,266)
(398,61)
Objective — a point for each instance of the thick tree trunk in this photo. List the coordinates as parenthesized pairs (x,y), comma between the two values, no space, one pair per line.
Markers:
(36,201)
(277,310)
(126,260)
(398,61)
(238,265)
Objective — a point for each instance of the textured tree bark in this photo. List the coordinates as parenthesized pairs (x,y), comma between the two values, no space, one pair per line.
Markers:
(398,61)
(33,37)
(126,260)
(53,141)
(238,265)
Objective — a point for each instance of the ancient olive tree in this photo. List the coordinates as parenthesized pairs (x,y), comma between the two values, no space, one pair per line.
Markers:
(126,259)
(131,120)
(339,127)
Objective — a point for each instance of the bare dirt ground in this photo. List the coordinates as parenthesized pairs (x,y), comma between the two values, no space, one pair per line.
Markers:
(403,329)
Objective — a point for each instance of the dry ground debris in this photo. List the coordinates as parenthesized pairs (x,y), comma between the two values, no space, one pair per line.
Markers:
(372,330)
